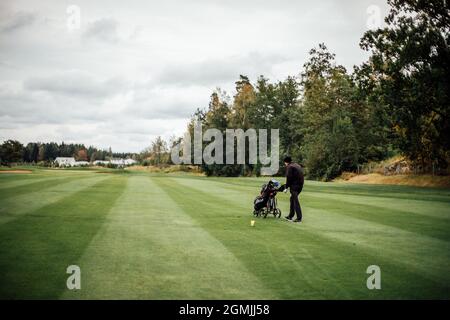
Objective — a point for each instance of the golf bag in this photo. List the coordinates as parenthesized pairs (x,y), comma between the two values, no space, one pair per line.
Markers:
(266,202)
(260,202)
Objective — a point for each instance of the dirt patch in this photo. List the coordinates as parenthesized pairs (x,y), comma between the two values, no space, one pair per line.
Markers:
(16,171)
(406,180)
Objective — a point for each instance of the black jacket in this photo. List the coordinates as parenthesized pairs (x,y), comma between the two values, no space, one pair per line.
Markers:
(294,177)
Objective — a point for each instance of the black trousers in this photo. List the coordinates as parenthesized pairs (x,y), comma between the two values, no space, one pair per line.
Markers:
(295,205)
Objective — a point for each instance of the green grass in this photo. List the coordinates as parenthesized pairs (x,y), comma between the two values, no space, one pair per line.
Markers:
(143,236)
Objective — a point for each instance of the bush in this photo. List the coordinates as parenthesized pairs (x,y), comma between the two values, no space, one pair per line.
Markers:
(46,164)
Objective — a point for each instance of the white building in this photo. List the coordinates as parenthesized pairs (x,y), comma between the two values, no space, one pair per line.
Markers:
(130,162)
(123,162)
(118,162)
(71,162)
(63,161)
(97,162)
(81,163)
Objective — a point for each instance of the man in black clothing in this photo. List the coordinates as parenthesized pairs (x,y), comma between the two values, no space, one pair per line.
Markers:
(294,181)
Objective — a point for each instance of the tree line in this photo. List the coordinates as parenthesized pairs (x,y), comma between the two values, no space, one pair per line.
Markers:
(332,120)
(12,151)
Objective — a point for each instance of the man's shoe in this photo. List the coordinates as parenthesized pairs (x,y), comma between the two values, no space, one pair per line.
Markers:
(297,220)
(288,219)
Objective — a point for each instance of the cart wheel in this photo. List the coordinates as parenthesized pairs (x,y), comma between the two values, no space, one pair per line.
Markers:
(265,213)
(278,215)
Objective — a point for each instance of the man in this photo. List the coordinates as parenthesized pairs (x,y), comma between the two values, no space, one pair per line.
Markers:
(294,181)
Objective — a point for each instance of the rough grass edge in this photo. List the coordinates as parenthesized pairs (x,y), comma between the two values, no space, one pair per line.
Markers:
(422,180)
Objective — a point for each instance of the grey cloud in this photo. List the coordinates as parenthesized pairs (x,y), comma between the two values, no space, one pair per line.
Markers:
(168,110)
(76,83)
(134,126)
(103,30)
(18,20)
(28,107)
(163,102)
(216,72)
(69,133)
(57,100)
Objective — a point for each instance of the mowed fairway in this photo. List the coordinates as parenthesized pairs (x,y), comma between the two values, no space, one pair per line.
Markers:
(141,236)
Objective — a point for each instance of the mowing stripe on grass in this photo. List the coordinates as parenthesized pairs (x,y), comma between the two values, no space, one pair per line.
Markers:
(243,195)
(273,253)
(33,184)
(420,224)
(11,181)
(427,233)
(136,236)
(150,248)
(419,206)
(15,206)
(402,247)
(406,269)
(418,233)
(38,247)
(385,191)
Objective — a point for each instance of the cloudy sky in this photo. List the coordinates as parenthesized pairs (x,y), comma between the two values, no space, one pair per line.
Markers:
(132,70)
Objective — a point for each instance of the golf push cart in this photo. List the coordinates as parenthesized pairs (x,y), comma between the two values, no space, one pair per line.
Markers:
(266,202)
